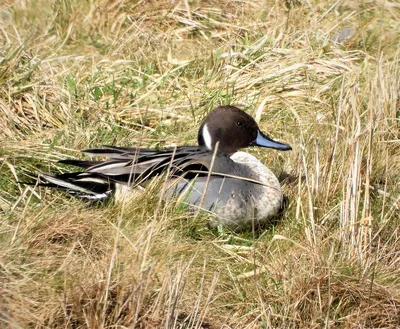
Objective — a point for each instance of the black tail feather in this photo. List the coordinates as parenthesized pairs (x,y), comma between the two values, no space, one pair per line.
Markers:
(80,163)
(83,185)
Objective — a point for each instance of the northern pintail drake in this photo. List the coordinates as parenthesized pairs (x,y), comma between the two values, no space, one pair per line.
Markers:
(213,176)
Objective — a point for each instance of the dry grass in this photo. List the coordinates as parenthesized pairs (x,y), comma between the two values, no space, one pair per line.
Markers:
(78,74)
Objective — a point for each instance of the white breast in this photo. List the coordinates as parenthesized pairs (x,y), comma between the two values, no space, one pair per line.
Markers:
(269,202)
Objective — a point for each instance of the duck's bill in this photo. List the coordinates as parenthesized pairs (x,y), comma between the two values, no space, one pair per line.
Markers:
(263,140)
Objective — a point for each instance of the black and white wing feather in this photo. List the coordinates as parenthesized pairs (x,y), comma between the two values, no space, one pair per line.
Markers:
(127,166)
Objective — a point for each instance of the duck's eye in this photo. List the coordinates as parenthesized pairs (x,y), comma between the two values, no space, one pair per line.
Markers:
(239,123)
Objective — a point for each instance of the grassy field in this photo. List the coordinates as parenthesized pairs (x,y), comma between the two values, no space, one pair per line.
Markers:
(78,74)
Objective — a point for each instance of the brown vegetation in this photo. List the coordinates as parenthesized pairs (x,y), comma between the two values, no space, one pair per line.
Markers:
(75,74)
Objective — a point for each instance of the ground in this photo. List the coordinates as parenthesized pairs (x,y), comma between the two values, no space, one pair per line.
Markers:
(322,76)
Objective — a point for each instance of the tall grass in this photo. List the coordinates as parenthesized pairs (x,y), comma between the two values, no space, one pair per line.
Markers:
(79,74)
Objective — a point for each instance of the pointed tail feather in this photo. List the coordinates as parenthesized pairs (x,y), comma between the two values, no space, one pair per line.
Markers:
(80,163)
(82,185)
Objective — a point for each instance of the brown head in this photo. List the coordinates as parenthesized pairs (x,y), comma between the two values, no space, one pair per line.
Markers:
(233,129)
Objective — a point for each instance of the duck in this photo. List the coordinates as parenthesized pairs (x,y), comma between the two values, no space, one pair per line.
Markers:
(215,176)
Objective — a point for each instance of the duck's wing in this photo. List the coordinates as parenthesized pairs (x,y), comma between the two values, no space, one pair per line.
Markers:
(129,166)
(136,164)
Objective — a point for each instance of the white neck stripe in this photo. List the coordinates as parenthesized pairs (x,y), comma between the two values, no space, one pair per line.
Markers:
(207,137)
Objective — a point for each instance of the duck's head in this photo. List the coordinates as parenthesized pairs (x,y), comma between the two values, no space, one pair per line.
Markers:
(233,129)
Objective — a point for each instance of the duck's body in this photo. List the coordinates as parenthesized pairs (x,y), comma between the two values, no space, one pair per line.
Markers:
(249,194)
(213,176)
